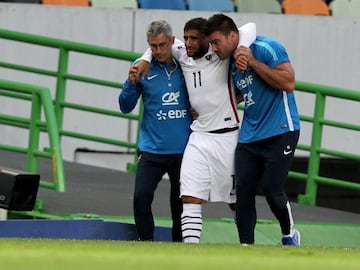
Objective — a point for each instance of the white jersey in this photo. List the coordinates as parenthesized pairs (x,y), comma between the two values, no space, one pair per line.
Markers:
(207,169)
(210,90)
(209,84)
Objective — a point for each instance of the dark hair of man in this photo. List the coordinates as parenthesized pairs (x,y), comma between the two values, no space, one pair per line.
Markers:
(220,22)
(195,24)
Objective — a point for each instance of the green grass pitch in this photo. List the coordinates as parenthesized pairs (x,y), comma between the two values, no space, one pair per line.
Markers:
(52,254)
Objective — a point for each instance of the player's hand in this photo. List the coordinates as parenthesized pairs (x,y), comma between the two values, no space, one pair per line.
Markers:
(133,74)
(194,113)
(143,68)
(241,56)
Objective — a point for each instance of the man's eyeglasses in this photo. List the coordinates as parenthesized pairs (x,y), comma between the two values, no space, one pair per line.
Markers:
(160,46)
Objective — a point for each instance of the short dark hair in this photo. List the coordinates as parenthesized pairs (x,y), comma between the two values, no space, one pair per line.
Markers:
(220,22)
(195,24)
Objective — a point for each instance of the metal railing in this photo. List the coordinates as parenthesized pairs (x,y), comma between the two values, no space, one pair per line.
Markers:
(62,75)
(318,120)
(40,98)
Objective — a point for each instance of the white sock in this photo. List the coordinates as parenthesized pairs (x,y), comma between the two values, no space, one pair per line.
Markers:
(191,223)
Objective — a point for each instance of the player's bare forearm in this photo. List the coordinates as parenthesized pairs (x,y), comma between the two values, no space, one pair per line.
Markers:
(281,77)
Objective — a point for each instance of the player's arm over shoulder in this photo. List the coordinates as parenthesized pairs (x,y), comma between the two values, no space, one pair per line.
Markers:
(247,34)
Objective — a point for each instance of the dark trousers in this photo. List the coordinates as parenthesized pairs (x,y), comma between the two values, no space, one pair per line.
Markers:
(151,169)
(268,161)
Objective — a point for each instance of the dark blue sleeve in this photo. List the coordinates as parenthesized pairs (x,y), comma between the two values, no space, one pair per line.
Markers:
(129,96)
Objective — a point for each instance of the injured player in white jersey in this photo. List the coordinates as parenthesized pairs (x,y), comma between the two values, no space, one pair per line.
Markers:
(207,170)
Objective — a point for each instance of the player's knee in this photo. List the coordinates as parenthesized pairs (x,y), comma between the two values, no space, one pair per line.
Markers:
(277,200)
(190,199)
(143,198)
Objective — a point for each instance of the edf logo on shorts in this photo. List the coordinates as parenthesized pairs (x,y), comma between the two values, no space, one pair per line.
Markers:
(171,98)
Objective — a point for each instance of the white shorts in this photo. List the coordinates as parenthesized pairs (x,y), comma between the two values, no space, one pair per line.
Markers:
(207,169)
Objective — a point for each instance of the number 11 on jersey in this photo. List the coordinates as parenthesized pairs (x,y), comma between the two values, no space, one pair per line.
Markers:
(197,78)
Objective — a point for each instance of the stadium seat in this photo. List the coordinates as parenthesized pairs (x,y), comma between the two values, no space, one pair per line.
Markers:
(211,5)
(22,1)
(305,7)
(85,3)
(114,3)
(345,8)
(163,4)
(258,6)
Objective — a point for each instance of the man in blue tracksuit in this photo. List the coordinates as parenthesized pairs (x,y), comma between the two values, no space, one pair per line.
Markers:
(164,131)
(270,126)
